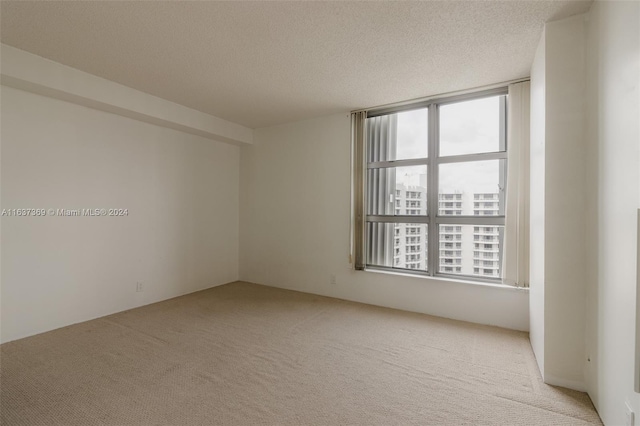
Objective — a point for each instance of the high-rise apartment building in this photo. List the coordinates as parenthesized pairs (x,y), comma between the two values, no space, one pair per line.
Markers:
(410,239)
(486,239)
(463,249)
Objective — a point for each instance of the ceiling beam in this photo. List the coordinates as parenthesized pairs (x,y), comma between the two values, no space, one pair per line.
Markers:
(32,73)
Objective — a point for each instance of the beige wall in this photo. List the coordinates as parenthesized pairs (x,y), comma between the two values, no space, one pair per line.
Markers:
(295,197)
(536,203)
(613,147)
(565,221)
(558,257)
(587,276)
(181,234)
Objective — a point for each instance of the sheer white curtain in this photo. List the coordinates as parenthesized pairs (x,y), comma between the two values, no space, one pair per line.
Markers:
(516,253)
(381,143)
(373,140)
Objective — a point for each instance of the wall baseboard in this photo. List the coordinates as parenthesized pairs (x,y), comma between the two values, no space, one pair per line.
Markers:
(578,385)
(345,292)
(114,312)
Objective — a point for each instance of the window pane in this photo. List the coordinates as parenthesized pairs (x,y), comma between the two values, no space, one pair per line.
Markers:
(471,250)
(397,245)
(397,191)
(413,133)
(400,136)
(470,127)
(473,188)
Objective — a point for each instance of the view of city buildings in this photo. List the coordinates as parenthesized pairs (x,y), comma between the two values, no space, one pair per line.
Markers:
(467,187)
(464,249)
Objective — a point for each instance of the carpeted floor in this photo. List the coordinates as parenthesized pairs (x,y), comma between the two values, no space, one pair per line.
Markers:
(244,354)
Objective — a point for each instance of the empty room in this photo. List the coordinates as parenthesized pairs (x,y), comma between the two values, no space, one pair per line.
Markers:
(319,213)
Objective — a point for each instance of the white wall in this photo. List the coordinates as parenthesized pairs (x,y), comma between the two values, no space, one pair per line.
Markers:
(613,95)
(565,221)
(558,256)
(536,203)
(295,183)
(181,234)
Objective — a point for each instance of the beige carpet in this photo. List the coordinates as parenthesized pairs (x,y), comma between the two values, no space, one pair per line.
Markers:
(244,354)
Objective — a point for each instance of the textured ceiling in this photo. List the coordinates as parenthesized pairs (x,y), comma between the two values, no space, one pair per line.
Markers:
(265,63)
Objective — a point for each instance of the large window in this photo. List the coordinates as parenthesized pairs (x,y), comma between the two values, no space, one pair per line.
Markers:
(433,186)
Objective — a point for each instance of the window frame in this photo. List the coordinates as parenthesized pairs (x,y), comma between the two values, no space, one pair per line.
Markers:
(433,162)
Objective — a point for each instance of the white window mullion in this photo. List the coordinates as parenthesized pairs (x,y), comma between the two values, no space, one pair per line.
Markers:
(432,190)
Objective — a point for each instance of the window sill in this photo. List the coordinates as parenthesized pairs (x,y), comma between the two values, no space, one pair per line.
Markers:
(450,280)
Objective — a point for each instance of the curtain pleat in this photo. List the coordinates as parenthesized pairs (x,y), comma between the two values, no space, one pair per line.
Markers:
(381,137)
(358,169)
(516,252)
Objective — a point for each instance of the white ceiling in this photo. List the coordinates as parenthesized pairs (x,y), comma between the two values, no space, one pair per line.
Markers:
(265,63)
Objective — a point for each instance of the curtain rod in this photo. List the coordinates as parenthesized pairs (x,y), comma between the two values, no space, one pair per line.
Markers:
(442,95)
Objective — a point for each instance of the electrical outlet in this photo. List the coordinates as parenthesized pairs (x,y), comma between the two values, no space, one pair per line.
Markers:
(332,279)
(630,416)
(139,287)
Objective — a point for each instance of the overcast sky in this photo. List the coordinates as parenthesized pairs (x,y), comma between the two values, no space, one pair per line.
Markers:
(465,128)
